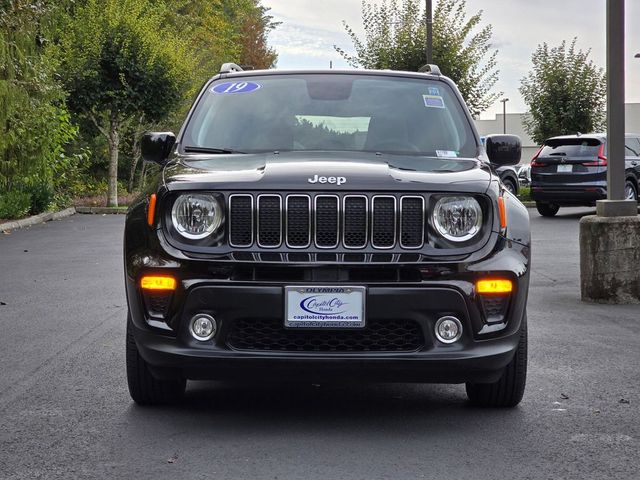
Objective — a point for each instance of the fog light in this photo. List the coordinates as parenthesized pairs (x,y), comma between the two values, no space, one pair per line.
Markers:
(448,329)
(203,327)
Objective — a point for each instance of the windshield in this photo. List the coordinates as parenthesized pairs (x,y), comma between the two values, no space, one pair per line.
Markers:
(331,112)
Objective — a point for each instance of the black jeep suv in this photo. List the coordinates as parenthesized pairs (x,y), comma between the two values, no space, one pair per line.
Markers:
(327,226)
(571,170)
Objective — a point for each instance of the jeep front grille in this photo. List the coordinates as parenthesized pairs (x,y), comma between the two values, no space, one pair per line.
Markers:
(326,221)
(412,222)
(383,230)
(298,221)
(355,224)
(241,220)
(269,220)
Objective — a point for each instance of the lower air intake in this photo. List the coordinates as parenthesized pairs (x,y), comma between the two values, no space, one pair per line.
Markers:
(377,336)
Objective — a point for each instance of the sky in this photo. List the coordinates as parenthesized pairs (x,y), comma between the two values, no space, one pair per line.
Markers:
(310,29)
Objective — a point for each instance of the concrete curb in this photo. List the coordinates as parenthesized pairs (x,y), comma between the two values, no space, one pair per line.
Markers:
(102,210)
(37,219)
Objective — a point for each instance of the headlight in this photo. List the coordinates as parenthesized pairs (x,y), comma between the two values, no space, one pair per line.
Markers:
(457,219)
(196,216)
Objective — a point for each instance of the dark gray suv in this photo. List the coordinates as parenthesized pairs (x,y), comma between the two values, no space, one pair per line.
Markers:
(571,170)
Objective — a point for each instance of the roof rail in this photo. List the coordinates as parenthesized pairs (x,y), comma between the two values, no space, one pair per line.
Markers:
(430,68)
(230,67)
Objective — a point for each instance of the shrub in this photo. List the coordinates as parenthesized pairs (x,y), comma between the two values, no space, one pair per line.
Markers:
(41,198)
(14,204)
(525,194)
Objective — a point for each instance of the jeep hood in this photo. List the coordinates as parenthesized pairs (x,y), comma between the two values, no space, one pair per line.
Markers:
(358,171)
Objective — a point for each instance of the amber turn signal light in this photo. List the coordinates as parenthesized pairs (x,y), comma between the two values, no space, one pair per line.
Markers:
(152,210)
(158,283)
(494,285)
(503,213)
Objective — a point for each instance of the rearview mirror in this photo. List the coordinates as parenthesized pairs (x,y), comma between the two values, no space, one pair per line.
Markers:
(156,146)
(503,149)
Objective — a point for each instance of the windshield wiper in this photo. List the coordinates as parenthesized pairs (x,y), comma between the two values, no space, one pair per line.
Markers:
(192,149)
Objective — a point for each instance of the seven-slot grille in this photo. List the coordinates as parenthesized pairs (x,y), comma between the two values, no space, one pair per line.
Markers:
(326,221)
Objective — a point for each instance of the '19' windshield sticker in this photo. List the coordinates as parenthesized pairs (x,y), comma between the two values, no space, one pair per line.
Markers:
(433,101)
(235,87)
(433,91)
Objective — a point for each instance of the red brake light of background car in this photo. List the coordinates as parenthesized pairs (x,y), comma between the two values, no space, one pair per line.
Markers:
(534,160)
(602,159)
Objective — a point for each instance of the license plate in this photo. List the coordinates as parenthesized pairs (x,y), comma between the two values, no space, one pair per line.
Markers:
(565,168)
(324,307)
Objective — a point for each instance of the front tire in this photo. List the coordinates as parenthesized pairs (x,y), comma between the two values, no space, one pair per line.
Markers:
(508,391)
(144,388)
(547,209)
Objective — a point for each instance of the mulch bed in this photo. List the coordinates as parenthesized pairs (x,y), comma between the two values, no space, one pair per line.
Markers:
(101,200)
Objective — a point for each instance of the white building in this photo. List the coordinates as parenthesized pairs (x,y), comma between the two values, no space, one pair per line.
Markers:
(529,148)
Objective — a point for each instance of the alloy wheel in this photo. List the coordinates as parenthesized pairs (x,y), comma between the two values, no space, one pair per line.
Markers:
(630,192)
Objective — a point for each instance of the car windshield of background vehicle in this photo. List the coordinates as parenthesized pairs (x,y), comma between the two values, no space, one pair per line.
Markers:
(334,112)
(574,147)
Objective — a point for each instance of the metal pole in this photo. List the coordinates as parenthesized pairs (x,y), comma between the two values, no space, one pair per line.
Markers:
(429,16)
(615,99)
(504,114)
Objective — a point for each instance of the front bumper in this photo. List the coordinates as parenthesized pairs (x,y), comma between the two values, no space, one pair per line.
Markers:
(480,356)
(169,358)
(569,196)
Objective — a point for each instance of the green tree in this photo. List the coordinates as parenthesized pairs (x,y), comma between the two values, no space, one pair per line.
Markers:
(120,61)
(223,31)
(565,92)
(395,38)
(207,24)
(254,30)
(34,123)
(217,31)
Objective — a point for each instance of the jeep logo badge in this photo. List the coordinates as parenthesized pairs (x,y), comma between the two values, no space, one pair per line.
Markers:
(333,180)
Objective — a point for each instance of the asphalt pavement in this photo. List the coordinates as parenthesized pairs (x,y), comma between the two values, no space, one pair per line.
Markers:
(65,411)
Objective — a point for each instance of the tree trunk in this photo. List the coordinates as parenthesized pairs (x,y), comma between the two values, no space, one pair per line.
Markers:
(136,152)
(143,177)
(114,145)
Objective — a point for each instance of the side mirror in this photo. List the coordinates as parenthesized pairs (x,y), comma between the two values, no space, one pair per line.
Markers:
(503,149)
(156,146)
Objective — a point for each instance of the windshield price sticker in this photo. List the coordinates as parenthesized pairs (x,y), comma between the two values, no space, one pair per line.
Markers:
(447,153)
(324,307)
(235,87)
(433,101)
